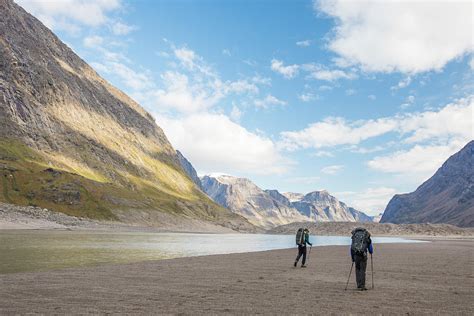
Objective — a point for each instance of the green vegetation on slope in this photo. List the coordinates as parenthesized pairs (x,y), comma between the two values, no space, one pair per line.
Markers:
(27,179)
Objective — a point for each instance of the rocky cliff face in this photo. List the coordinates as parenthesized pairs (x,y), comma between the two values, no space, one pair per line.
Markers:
(322,207)
(270,208)
(245,198)
(71,142)
(189,169)
(447,197)
(293,197)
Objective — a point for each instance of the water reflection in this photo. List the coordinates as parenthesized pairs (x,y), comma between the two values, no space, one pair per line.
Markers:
(44,250)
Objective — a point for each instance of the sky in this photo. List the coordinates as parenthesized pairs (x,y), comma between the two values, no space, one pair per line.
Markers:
(365,99)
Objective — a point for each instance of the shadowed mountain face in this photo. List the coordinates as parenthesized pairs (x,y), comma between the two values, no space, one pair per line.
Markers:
(189,169)
(269,208)
(71,142)
(447,197)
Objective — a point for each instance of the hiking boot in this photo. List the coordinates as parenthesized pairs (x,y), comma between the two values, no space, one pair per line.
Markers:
(303,266)
(363,288)
(296,262)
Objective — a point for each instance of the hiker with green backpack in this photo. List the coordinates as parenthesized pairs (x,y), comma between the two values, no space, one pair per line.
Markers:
(302,238)
(361,243)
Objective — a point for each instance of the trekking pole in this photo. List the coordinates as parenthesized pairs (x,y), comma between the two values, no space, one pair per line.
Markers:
(350,272)
(372,268)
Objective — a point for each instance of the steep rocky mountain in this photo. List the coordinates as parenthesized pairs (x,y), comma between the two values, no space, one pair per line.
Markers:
(293,197)
(73,143)
(189,169)
(245,198)
(269,207)
(446,197)
(320,206)
(279,197)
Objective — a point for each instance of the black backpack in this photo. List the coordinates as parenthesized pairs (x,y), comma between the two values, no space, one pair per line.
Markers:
(360,241)
(300,236)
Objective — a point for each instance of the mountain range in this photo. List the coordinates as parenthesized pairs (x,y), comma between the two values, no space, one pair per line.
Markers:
(446,197)
(269,208)
(73,143)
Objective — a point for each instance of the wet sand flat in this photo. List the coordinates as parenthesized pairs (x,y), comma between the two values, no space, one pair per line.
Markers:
(429,278)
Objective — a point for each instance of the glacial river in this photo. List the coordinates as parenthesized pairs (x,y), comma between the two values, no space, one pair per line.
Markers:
(25,250)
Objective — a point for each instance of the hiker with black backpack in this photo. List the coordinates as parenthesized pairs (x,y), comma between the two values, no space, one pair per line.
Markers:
(361,243)
(302,238)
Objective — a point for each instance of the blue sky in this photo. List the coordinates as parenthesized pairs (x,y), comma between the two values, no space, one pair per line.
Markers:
(363,99)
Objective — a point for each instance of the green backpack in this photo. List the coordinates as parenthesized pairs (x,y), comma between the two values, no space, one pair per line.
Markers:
(300,237)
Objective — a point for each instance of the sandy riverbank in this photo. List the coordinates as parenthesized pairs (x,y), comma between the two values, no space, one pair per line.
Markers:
(429,278)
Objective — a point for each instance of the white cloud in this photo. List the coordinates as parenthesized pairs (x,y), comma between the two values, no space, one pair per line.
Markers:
(213,142)
(331,75)
(269,100)
(410,100)
(70,15)
(93,41)
(180,94)
(371,201)
(241,86)
(351,92)
(136,81)
(332,169)
(363,150)
(226,52)
(250,62)
(419,162)
(314,71)
(304,43)
(402,83)
(325,88)
(335,131)
(323,153)
(235,114)
(471,63)
(262,80)
(454,121)
(186,56)
(119,28)
(287,71)
(404,36)
(193,87)
(372,97)
(307,97)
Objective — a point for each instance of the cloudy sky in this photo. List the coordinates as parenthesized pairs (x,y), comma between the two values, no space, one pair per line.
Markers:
(361,98)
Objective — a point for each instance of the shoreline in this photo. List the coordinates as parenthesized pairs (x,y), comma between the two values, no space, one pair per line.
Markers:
(15,217)
(258,282)
(157,230)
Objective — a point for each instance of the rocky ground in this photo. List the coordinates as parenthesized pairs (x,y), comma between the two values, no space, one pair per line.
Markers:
(29,217)
(410,279)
